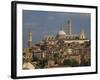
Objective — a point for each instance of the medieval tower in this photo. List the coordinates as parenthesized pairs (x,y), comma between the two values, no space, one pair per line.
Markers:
(30,40)
(69,27)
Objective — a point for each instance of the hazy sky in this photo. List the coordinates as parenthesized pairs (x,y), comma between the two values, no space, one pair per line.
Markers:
(42,23)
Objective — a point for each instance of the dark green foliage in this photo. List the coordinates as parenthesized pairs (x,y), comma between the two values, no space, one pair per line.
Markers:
(85,63)
(69,62)
(34,58)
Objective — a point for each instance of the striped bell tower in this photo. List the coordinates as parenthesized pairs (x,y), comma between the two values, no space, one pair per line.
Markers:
(30,40)
(69,27)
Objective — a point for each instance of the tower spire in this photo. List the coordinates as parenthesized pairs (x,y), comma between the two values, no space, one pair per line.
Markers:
(69,27)
(30,40)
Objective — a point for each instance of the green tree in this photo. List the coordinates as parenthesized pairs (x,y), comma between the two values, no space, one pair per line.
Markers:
(70,62)
(67,62)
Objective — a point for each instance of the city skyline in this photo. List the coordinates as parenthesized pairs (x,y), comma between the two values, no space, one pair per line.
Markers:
(43,23)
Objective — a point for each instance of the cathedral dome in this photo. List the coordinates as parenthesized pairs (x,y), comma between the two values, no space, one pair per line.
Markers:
(61,32)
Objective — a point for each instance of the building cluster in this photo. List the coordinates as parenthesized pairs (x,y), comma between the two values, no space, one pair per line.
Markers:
(64,49)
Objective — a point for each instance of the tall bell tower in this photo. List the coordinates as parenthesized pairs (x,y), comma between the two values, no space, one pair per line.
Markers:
(69,27)
(30,40)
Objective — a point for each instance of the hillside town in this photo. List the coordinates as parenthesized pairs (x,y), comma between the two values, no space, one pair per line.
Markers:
(65,49)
